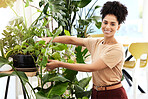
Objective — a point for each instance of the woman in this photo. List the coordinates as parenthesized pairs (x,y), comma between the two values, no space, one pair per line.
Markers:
(107,54)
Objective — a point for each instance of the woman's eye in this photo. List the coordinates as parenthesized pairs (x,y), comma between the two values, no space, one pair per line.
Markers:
(113,24)
(105,22)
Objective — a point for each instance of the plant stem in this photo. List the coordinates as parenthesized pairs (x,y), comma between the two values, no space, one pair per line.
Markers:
(12,9)
(32,5)
(24,15)
(41,77)
(90,9)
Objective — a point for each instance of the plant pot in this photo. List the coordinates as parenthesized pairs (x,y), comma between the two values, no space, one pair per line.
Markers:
(24,61)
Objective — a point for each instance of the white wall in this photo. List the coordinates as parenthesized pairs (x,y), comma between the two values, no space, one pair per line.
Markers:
(145,18)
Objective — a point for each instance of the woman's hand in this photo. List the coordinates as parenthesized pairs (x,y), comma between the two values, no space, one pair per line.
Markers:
(52,65)
(47,39)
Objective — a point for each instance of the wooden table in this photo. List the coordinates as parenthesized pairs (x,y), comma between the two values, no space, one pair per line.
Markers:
(29,74)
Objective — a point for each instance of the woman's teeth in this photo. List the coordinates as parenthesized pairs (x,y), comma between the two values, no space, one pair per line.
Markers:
(107,31)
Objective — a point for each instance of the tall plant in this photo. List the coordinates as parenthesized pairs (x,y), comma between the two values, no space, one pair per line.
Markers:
(63,11)
(87,19)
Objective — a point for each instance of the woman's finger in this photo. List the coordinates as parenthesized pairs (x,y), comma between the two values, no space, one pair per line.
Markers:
(48,69)
(46,40)
(49,60)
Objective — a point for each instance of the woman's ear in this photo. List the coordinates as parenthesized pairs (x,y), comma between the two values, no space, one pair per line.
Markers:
(118,27)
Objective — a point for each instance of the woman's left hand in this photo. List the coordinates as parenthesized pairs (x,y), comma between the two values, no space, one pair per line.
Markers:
(52,65)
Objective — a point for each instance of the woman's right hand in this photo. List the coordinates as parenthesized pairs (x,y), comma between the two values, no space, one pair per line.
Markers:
(47,39)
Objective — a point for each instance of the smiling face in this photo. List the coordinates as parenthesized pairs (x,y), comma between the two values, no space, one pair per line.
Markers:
(110,25)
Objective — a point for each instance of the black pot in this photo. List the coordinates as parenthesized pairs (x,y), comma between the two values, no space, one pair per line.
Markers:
(24,61)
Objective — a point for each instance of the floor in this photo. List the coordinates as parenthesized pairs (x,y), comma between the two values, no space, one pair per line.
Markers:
(142,82)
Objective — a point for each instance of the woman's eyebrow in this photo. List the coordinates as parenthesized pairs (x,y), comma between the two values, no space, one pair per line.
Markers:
(111,22)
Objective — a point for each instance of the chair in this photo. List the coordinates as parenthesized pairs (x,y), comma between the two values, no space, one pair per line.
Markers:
(137,50)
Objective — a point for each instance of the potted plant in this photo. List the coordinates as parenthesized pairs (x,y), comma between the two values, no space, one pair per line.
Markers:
(59,83)
(65,81)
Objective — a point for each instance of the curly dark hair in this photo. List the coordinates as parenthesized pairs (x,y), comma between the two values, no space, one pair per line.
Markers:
(115,8)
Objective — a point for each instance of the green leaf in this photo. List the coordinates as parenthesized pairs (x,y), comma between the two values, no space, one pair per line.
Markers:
(17,47)
(4,75)
(84,3)
(52,77)
(85,98)
(70,61)
(43,50)
(60,47)
(70,74)
(46,77)
(37,52)
(22,75)
(59,88)
(1,48)
(46,8)
(55,97)
(27,3)
(67,32)
(96,18)
(84,82)
(41,3)
(44,61)
(78,88)
(9,53)
(98,25)
(58,31)
(56,55)
(58,78)
(84,52)
(83,22)
(3,61)
(83,94)
(40,95)
(79,56)
(96,7)
(30,48)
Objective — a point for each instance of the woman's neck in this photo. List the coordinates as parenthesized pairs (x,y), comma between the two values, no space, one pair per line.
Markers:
(110,41)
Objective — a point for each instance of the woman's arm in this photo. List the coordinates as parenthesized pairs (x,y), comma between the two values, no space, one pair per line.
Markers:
(98,65)
(66,40)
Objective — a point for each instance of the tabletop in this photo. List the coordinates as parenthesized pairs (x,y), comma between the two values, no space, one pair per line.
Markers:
(29,74)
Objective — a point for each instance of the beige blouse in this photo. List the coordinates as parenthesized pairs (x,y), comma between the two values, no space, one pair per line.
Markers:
(113,57)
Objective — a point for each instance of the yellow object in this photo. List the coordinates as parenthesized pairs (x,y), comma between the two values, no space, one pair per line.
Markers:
(137,49)
(95,35)
(6,3)
(131,64)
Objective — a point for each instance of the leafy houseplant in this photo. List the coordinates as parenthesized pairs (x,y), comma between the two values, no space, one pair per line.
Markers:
(19,39)
(64,12)
(65,81)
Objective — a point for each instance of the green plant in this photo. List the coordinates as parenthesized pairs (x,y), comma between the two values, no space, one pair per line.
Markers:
(19,39)
(86,20)
(64,12)
(25,45)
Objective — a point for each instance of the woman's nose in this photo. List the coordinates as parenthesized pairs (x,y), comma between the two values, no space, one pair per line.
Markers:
(107,26)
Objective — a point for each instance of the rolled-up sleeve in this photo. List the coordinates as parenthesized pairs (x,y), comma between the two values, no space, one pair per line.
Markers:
(90,44)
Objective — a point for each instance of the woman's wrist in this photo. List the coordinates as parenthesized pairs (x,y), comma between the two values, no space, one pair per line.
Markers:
(60,64)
